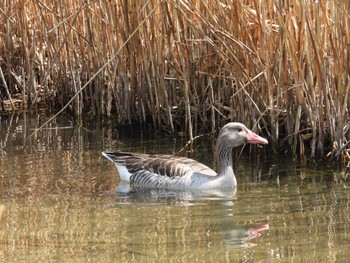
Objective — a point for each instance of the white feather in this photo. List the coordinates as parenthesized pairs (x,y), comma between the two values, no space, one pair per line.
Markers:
(124,173)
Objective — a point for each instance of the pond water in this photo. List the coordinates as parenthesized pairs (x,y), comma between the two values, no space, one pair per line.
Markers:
(61,200)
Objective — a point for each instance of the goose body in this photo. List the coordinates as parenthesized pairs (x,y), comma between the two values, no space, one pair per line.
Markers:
(181,173)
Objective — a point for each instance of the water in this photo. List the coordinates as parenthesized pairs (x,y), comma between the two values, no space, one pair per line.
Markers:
(61,201)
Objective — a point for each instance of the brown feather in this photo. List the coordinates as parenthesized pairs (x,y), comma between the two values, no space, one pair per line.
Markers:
(166,165)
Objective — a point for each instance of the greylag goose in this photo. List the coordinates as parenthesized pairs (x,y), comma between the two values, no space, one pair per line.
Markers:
(181,173)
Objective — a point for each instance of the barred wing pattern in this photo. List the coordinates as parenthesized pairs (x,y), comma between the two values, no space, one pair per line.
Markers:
(157,170)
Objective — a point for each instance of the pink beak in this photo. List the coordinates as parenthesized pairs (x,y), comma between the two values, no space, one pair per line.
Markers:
(253,138)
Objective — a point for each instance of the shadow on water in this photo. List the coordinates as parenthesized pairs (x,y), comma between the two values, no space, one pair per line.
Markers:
(62,200)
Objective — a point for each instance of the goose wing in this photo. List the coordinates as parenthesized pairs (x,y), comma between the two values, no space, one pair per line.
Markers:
(163,165)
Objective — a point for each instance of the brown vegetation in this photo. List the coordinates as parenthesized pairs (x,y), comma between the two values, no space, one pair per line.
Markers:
(282,66)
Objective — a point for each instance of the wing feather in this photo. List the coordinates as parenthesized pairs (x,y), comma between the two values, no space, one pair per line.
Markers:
(165,165)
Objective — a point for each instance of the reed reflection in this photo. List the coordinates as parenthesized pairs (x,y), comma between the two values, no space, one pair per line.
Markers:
(62,201)
(55,227)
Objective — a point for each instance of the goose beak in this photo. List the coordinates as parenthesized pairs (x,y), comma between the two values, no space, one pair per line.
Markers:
(253,138)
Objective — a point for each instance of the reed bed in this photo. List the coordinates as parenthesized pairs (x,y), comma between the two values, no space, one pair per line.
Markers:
(281,67)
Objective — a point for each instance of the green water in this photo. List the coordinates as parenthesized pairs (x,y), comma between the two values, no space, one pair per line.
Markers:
(61,201)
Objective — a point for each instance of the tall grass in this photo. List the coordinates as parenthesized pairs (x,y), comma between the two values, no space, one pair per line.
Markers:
(279,66)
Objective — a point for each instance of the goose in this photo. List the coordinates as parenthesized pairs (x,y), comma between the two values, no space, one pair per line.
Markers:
(181,173)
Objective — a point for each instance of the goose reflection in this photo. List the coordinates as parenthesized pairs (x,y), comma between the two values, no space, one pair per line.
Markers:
(240,236)
(234,235)
(195,194)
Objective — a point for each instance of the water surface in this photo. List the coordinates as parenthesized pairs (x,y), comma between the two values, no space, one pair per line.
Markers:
(62,201)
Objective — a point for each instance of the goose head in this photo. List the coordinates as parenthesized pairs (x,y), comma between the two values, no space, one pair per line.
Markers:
(234,134)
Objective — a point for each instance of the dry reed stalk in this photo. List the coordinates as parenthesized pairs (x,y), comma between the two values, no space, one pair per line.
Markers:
(6,89)
(279,66)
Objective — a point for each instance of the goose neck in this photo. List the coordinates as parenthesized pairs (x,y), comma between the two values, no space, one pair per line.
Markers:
(223,159)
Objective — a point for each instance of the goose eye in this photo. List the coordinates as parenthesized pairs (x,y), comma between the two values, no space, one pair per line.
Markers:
(239,129)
